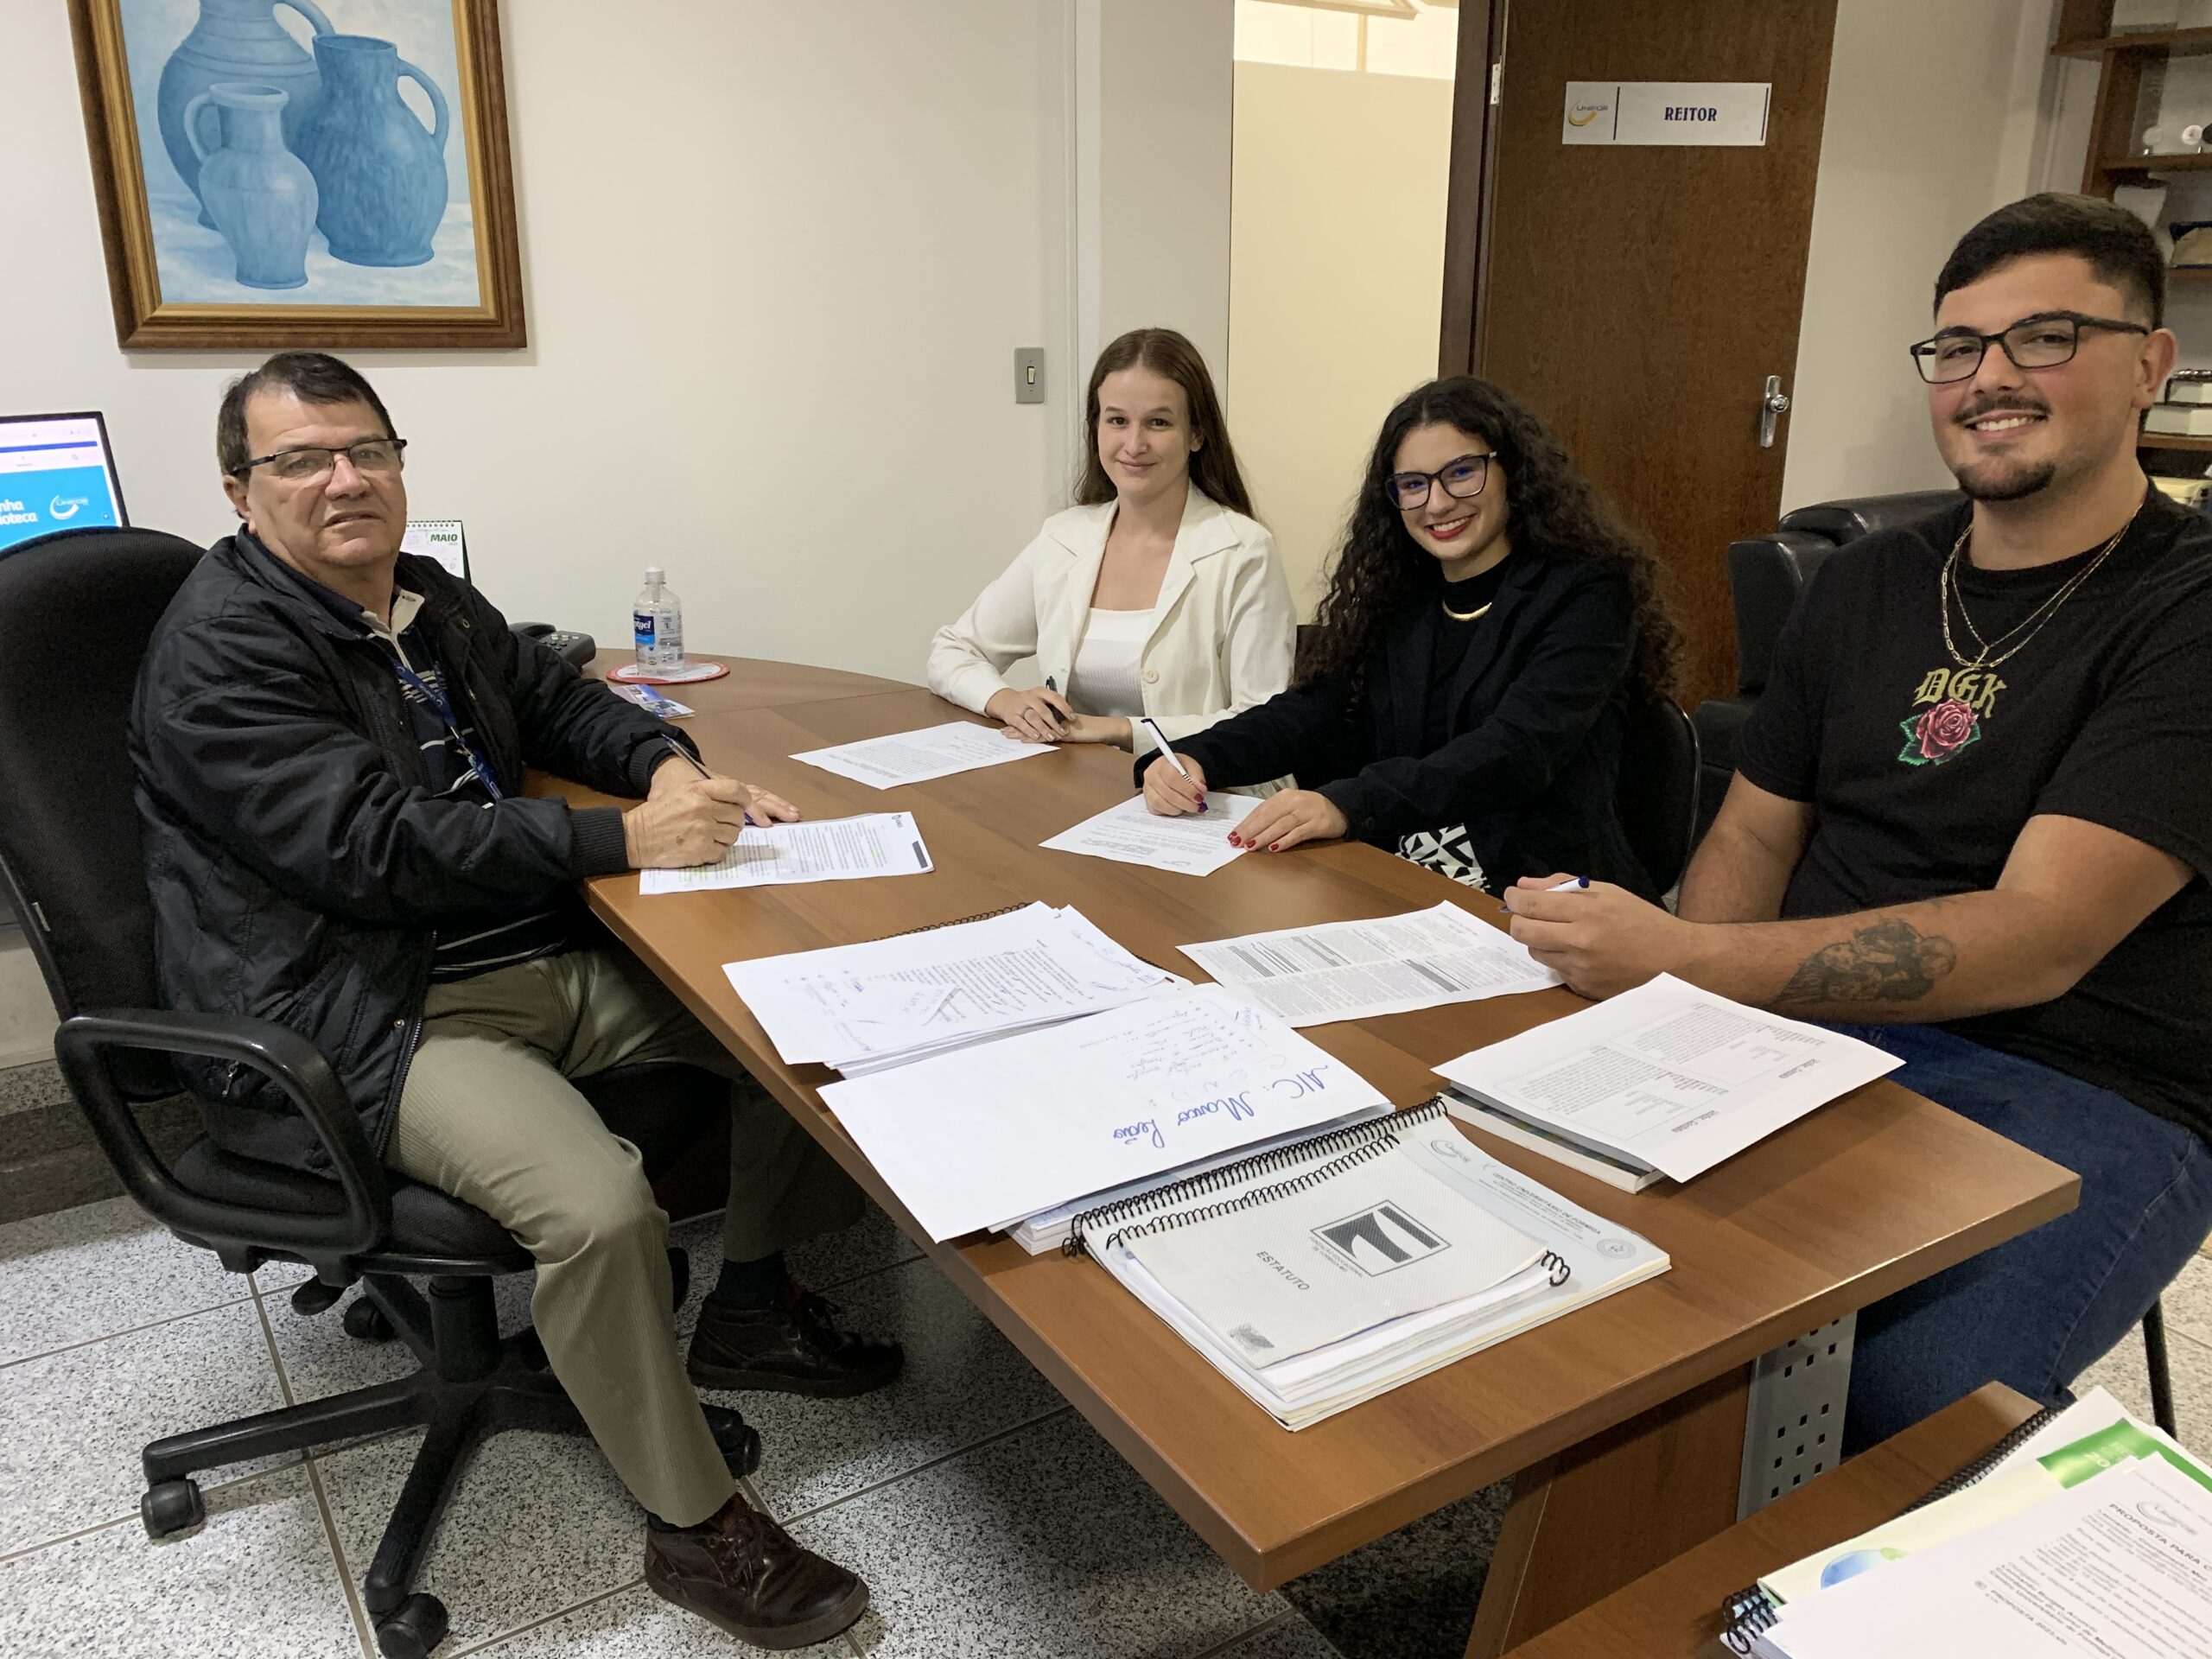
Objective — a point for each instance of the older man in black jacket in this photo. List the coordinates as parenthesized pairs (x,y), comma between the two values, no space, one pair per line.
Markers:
(330,739)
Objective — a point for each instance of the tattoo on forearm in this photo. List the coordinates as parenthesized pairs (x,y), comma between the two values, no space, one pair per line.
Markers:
(1889,961)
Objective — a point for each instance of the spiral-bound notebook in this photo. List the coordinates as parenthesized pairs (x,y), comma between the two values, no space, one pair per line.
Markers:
(1323,1273)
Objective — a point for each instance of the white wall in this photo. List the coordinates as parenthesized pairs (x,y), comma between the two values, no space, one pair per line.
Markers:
(1935,115)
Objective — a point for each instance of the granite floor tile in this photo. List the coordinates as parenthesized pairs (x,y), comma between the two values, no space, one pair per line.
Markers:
(89,1272)
(1043,1543)
(1289,1638)
(73,1423)
(2188,1362)
(869,1245)
(24,1088)
(257,1581)
(962,1383)
(537,1524)
(2188,1300)
(635,1623)
(1411,1594)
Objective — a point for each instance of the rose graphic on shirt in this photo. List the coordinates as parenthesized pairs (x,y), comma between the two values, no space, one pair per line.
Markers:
(1936,734)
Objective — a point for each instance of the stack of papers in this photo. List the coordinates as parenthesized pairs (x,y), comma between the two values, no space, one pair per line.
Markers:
(862,1007)
(828,850)
(2093,1536)
(1330,1273)
(988,1136)
(917,756)
(1666,1079)
(1356,970)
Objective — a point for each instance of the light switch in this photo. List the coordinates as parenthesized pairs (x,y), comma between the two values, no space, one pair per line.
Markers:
(1029,374)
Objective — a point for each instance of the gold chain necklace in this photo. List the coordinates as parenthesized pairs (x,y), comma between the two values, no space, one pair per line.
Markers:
(2035,621)
(1464,616)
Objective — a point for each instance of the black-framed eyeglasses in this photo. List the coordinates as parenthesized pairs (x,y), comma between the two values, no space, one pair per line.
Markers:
(2042,341)
(1462,481)
(376,457)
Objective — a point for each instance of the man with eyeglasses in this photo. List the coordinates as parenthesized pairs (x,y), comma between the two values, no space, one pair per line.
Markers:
(1972,819)
(330,738)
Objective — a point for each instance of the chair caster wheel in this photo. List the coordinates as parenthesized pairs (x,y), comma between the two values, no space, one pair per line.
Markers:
(412,1629)
(171,1506)
(364,1319)
(313,1297)
(679,1275)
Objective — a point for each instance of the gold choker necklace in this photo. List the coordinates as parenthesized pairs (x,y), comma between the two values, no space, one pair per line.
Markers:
(1464,616)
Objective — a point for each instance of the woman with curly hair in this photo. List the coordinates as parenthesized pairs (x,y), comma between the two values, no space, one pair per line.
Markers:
(1487,621)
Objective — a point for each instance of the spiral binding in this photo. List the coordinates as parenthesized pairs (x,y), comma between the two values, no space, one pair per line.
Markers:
(1372,1135)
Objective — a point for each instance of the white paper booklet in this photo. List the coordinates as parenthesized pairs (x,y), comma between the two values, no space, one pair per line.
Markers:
(2118,1567)
(917,756)
(1668,1077)
(988,1134)
(860,1007)
(1335,1269)
(1195,844)
(1355,971)
(830,850)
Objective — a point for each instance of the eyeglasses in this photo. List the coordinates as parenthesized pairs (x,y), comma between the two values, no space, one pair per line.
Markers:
(1463,479)
(2042,341)
(375,457)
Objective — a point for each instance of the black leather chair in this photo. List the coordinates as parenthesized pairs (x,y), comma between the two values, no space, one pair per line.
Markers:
(1659,788)
(1765,574)
(76,611)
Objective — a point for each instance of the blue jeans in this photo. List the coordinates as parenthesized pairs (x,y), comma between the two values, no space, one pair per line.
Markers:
(2036,1311)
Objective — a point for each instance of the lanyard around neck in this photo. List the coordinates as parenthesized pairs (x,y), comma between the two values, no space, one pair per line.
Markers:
(437,699)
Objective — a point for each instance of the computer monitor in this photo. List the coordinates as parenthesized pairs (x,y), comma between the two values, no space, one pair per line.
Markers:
(56,472)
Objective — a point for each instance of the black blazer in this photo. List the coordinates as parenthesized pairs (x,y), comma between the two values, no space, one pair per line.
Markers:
(1538,710)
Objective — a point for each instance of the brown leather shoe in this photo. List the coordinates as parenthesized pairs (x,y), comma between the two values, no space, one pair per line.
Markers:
(791,1345)
(745,1575)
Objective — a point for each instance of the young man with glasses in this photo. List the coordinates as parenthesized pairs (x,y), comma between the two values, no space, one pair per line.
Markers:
(330,740)
(1974,809)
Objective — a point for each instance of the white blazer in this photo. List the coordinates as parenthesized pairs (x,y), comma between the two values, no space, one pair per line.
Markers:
(1222,631)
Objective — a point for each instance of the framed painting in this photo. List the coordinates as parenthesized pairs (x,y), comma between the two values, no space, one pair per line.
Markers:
(275,173)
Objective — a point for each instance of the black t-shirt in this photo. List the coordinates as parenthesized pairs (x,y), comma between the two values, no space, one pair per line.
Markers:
(1921,776)
(1449,640)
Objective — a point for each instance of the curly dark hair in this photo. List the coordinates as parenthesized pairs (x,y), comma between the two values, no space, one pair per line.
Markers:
(1379,570)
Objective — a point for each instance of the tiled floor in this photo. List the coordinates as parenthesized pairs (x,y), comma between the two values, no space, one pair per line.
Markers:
(987,1517)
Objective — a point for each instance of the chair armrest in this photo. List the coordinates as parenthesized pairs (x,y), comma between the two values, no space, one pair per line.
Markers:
(280,1054)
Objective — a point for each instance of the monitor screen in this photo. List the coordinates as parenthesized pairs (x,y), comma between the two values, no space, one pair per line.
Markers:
(56,472)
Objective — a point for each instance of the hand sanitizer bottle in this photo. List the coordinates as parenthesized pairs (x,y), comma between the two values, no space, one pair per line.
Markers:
(656,623)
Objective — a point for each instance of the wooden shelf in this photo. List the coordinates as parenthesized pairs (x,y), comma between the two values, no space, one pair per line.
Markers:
(2176,43)
(2171,440)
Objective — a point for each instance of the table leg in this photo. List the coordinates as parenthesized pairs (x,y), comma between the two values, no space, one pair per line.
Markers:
(1585,1522)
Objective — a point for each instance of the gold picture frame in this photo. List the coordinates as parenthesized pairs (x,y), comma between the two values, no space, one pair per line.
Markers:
(214,129)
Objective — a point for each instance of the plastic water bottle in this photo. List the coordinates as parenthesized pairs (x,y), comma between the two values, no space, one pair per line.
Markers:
(657,622)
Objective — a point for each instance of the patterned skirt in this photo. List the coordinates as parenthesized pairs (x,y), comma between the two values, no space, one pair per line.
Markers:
(1448,852)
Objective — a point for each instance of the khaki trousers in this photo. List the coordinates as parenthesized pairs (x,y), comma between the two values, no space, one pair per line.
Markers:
(488,1115)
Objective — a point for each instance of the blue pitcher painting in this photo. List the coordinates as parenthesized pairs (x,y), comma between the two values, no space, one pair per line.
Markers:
(343,110)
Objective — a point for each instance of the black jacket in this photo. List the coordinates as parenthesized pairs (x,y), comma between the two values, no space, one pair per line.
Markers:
(1539,707)
(297,862)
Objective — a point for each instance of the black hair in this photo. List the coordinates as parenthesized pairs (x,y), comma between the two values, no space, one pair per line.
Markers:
(312,377)
(1553,512)
(1213,463)
(2118,246)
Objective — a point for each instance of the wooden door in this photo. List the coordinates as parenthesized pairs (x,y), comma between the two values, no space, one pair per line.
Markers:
(1638,297)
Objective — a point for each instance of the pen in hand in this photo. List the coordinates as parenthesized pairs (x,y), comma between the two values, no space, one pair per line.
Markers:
(693,760)
(1160,739)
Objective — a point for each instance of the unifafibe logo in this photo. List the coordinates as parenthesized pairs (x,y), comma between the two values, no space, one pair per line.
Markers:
(68,506)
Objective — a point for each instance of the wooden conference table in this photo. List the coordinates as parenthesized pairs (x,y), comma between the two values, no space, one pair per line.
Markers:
(1621,1425)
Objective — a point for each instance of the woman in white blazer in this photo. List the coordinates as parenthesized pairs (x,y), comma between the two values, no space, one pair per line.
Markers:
(1157,594)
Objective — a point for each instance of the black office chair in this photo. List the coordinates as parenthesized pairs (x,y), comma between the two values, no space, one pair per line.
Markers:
(76,612)
(1659,788)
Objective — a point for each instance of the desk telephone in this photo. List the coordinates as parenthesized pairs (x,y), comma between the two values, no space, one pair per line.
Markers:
(575,649)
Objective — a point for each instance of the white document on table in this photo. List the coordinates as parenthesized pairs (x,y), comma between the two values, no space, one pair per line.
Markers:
(1353,970)
(1668,1076)
(895,998)
(1194,844)
(830,850)
(2118,1567)
(989,1135)
(917,756)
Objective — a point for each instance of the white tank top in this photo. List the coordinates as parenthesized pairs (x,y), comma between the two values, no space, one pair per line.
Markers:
(1103,678)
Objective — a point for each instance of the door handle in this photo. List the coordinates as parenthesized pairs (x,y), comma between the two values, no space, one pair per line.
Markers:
(1773,406)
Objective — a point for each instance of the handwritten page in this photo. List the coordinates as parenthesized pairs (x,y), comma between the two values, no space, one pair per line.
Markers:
(1355,971)
(992,1134)
(856,1006)
(1667,1075)
(1128,834)
(917,756)
(832,849)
